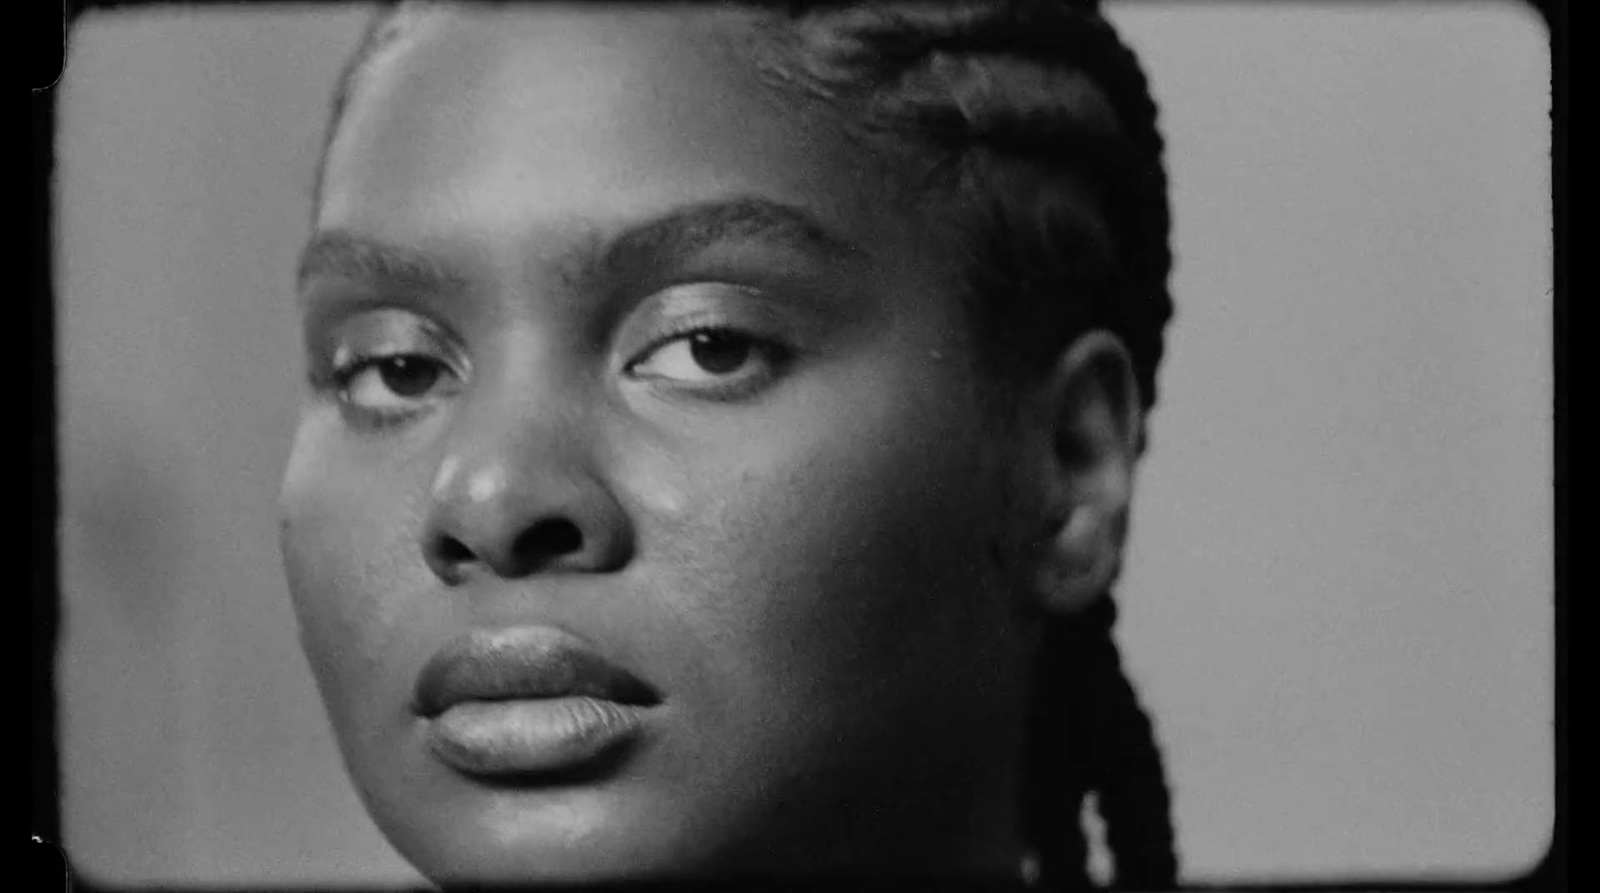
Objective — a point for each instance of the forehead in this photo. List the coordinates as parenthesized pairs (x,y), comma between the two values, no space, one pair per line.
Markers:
(510,118)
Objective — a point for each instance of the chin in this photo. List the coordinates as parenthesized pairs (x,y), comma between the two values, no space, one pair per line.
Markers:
(508,840)
(468,831)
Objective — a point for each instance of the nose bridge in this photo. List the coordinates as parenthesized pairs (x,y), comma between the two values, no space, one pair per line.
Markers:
(508,448)
(518,489)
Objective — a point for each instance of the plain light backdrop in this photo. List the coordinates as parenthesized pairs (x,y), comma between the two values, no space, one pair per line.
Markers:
(1338,598)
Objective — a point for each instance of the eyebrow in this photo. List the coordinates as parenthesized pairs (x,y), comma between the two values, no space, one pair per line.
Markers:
(678,235)
(693,229)
(342,254)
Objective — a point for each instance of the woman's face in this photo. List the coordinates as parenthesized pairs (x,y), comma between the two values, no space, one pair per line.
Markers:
(641,515)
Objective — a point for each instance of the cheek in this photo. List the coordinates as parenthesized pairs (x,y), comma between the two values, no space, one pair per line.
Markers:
(350,559)
(835,563)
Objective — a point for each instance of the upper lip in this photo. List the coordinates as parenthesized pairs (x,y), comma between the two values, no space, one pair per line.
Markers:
(522,662)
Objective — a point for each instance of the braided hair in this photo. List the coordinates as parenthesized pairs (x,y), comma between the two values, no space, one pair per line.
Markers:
(1018,108)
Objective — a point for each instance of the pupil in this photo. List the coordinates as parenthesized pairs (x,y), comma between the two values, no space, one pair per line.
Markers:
(717,352)
(408,377)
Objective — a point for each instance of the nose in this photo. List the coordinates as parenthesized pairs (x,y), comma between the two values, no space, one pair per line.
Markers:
(515,495)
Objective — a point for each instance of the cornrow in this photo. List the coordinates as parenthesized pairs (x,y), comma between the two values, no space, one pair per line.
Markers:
(1019,105)
(1024,101)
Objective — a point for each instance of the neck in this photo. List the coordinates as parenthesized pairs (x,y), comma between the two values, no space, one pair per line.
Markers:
(963,821)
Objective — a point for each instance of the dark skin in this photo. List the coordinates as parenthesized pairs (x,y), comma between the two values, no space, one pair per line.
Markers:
(584,267)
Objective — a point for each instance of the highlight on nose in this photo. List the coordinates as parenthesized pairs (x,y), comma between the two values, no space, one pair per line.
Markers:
(512,520)
(513,505)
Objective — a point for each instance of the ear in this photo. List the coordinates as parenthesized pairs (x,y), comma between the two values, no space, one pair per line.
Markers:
(1089,426)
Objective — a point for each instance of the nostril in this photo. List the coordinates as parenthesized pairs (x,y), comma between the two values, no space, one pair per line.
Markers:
(548,540)
(551,544)
(453,552)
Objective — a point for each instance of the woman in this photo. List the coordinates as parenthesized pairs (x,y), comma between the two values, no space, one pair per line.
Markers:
(721,434)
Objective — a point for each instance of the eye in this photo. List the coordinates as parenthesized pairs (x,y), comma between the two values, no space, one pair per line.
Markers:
(392,385)
(709,356)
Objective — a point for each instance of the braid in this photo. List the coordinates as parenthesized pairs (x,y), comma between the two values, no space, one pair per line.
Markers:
(1096,738)
(1020,102)
(1020,106)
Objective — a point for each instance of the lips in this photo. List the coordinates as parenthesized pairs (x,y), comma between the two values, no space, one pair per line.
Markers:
(527,700)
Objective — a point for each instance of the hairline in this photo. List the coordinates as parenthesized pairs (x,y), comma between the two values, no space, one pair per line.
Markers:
(963,212)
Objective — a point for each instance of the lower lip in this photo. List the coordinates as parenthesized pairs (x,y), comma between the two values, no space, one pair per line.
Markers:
(520,737)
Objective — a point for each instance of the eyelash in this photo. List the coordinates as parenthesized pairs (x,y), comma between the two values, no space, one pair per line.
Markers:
(776,354)
(344,374)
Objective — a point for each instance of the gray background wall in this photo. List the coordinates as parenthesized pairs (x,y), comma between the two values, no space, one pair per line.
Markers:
(1338,599)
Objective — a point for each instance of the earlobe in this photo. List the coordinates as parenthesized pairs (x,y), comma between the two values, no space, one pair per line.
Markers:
(1093,414)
